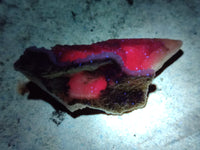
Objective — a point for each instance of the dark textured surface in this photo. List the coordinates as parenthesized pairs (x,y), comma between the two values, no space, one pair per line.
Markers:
(171,118)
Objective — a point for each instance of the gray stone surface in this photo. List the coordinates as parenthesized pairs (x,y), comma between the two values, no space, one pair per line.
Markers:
(171,119)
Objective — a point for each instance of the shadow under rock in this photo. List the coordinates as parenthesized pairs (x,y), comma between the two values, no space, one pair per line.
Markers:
(170,61)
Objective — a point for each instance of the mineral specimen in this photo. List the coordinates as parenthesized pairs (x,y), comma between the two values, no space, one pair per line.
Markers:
(113,75)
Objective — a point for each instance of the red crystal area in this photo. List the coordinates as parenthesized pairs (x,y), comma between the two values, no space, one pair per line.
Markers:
(137,54)
(85,86)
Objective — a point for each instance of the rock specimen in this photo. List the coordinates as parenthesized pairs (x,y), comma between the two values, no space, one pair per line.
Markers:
(113,75)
